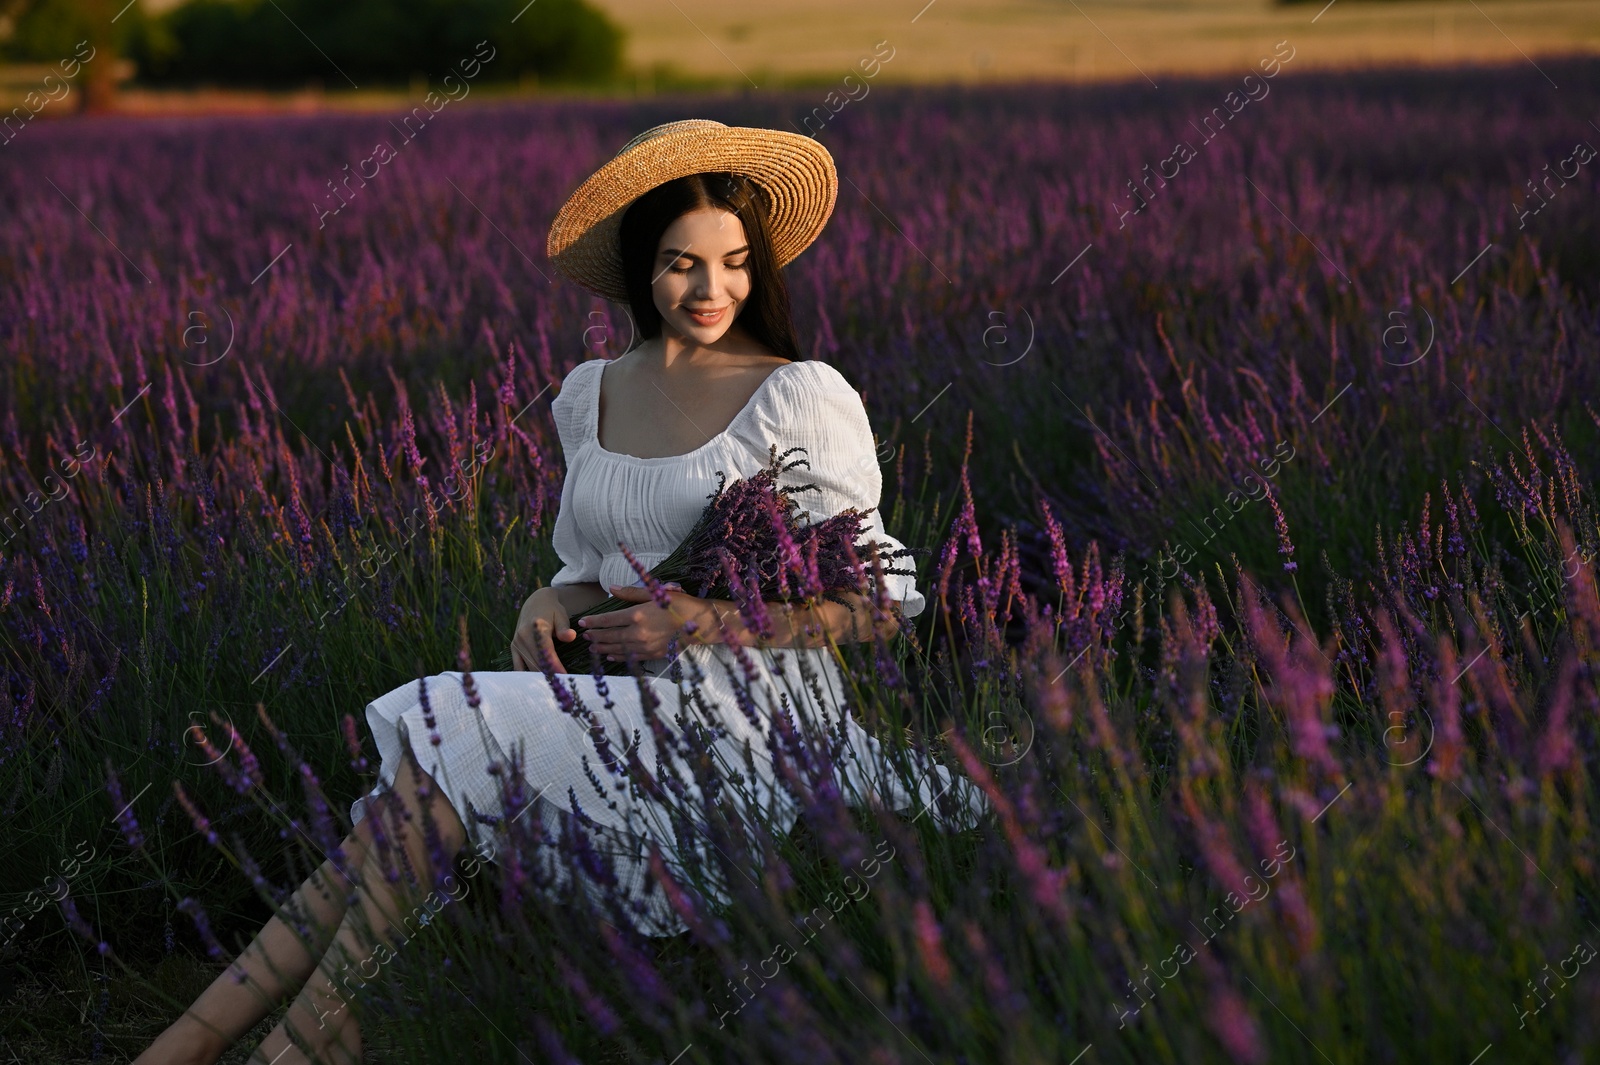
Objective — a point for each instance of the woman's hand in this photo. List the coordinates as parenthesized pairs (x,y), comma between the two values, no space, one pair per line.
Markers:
(543,614)
(646,628)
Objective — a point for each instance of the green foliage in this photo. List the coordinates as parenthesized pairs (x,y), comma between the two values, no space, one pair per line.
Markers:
(279,43)
(48,31)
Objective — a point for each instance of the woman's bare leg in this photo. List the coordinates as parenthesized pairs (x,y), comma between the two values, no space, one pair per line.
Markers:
(276,962)
(280,960)
(319,1026)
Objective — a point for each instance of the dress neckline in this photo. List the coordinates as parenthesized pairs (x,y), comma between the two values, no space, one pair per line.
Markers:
(594,419)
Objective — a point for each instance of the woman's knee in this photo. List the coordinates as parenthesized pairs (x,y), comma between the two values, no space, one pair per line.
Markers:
(342,868)
(415,788)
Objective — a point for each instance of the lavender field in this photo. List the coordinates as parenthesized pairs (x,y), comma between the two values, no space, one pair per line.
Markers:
(1253,489)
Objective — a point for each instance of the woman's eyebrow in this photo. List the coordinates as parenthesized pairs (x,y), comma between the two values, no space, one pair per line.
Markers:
(677,254)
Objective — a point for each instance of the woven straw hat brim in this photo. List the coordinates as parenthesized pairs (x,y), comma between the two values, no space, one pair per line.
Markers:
(797,173)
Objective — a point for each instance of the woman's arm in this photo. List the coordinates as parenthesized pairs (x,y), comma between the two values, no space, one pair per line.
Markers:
(545,617)
(646,630)
(789,626)
(580,596)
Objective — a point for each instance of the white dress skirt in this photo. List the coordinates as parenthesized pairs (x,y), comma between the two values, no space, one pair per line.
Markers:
(650,504)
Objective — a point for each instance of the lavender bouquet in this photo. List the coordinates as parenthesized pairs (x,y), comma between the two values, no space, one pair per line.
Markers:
(748,546)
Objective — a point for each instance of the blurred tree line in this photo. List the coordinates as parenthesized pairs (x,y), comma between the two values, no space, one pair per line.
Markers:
(289,43)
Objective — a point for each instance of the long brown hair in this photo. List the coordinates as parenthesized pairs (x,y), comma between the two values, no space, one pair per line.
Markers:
(766,315)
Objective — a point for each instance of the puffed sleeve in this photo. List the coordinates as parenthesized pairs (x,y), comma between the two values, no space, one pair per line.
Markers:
(580,561)
(811,405)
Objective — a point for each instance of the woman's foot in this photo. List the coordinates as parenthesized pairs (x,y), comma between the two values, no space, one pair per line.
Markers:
(186,1042)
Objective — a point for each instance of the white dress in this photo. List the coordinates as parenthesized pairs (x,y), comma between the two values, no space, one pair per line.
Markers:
(650,504)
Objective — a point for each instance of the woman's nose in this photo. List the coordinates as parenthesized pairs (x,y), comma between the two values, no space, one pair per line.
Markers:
(710,284)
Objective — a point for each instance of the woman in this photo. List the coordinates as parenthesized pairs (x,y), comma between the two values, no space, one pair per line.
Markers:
(688,226)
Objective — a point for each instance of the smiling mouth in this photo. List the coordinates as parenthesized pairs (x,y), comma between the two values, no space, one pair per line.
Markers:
(710,317)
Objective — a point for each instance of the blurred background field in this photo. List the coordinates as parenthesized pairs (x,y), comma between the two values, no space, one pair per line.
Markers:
(981,41)
(224,52)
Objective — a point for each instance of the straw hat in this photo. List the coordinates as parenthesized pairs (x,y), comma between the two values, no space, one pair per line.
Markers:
(796,172)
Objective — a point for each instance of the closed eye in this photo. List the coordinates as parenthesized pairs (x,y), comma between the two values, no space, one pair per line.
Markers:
(675,269)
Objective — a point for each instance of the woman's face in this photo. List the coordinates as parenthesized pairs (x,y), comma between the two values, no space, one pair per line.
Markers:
(701,274)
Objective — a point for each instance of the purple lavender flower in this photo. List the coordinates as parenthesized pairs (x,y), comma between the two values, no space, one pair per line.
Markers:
(76,922)
(249,767)
(201,824)
(658,590)
(202,925)
(747,593)
(218,760)
(358,758)
(124,815)
(427,711)
(438,859)
(1285,545)
(327,835)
